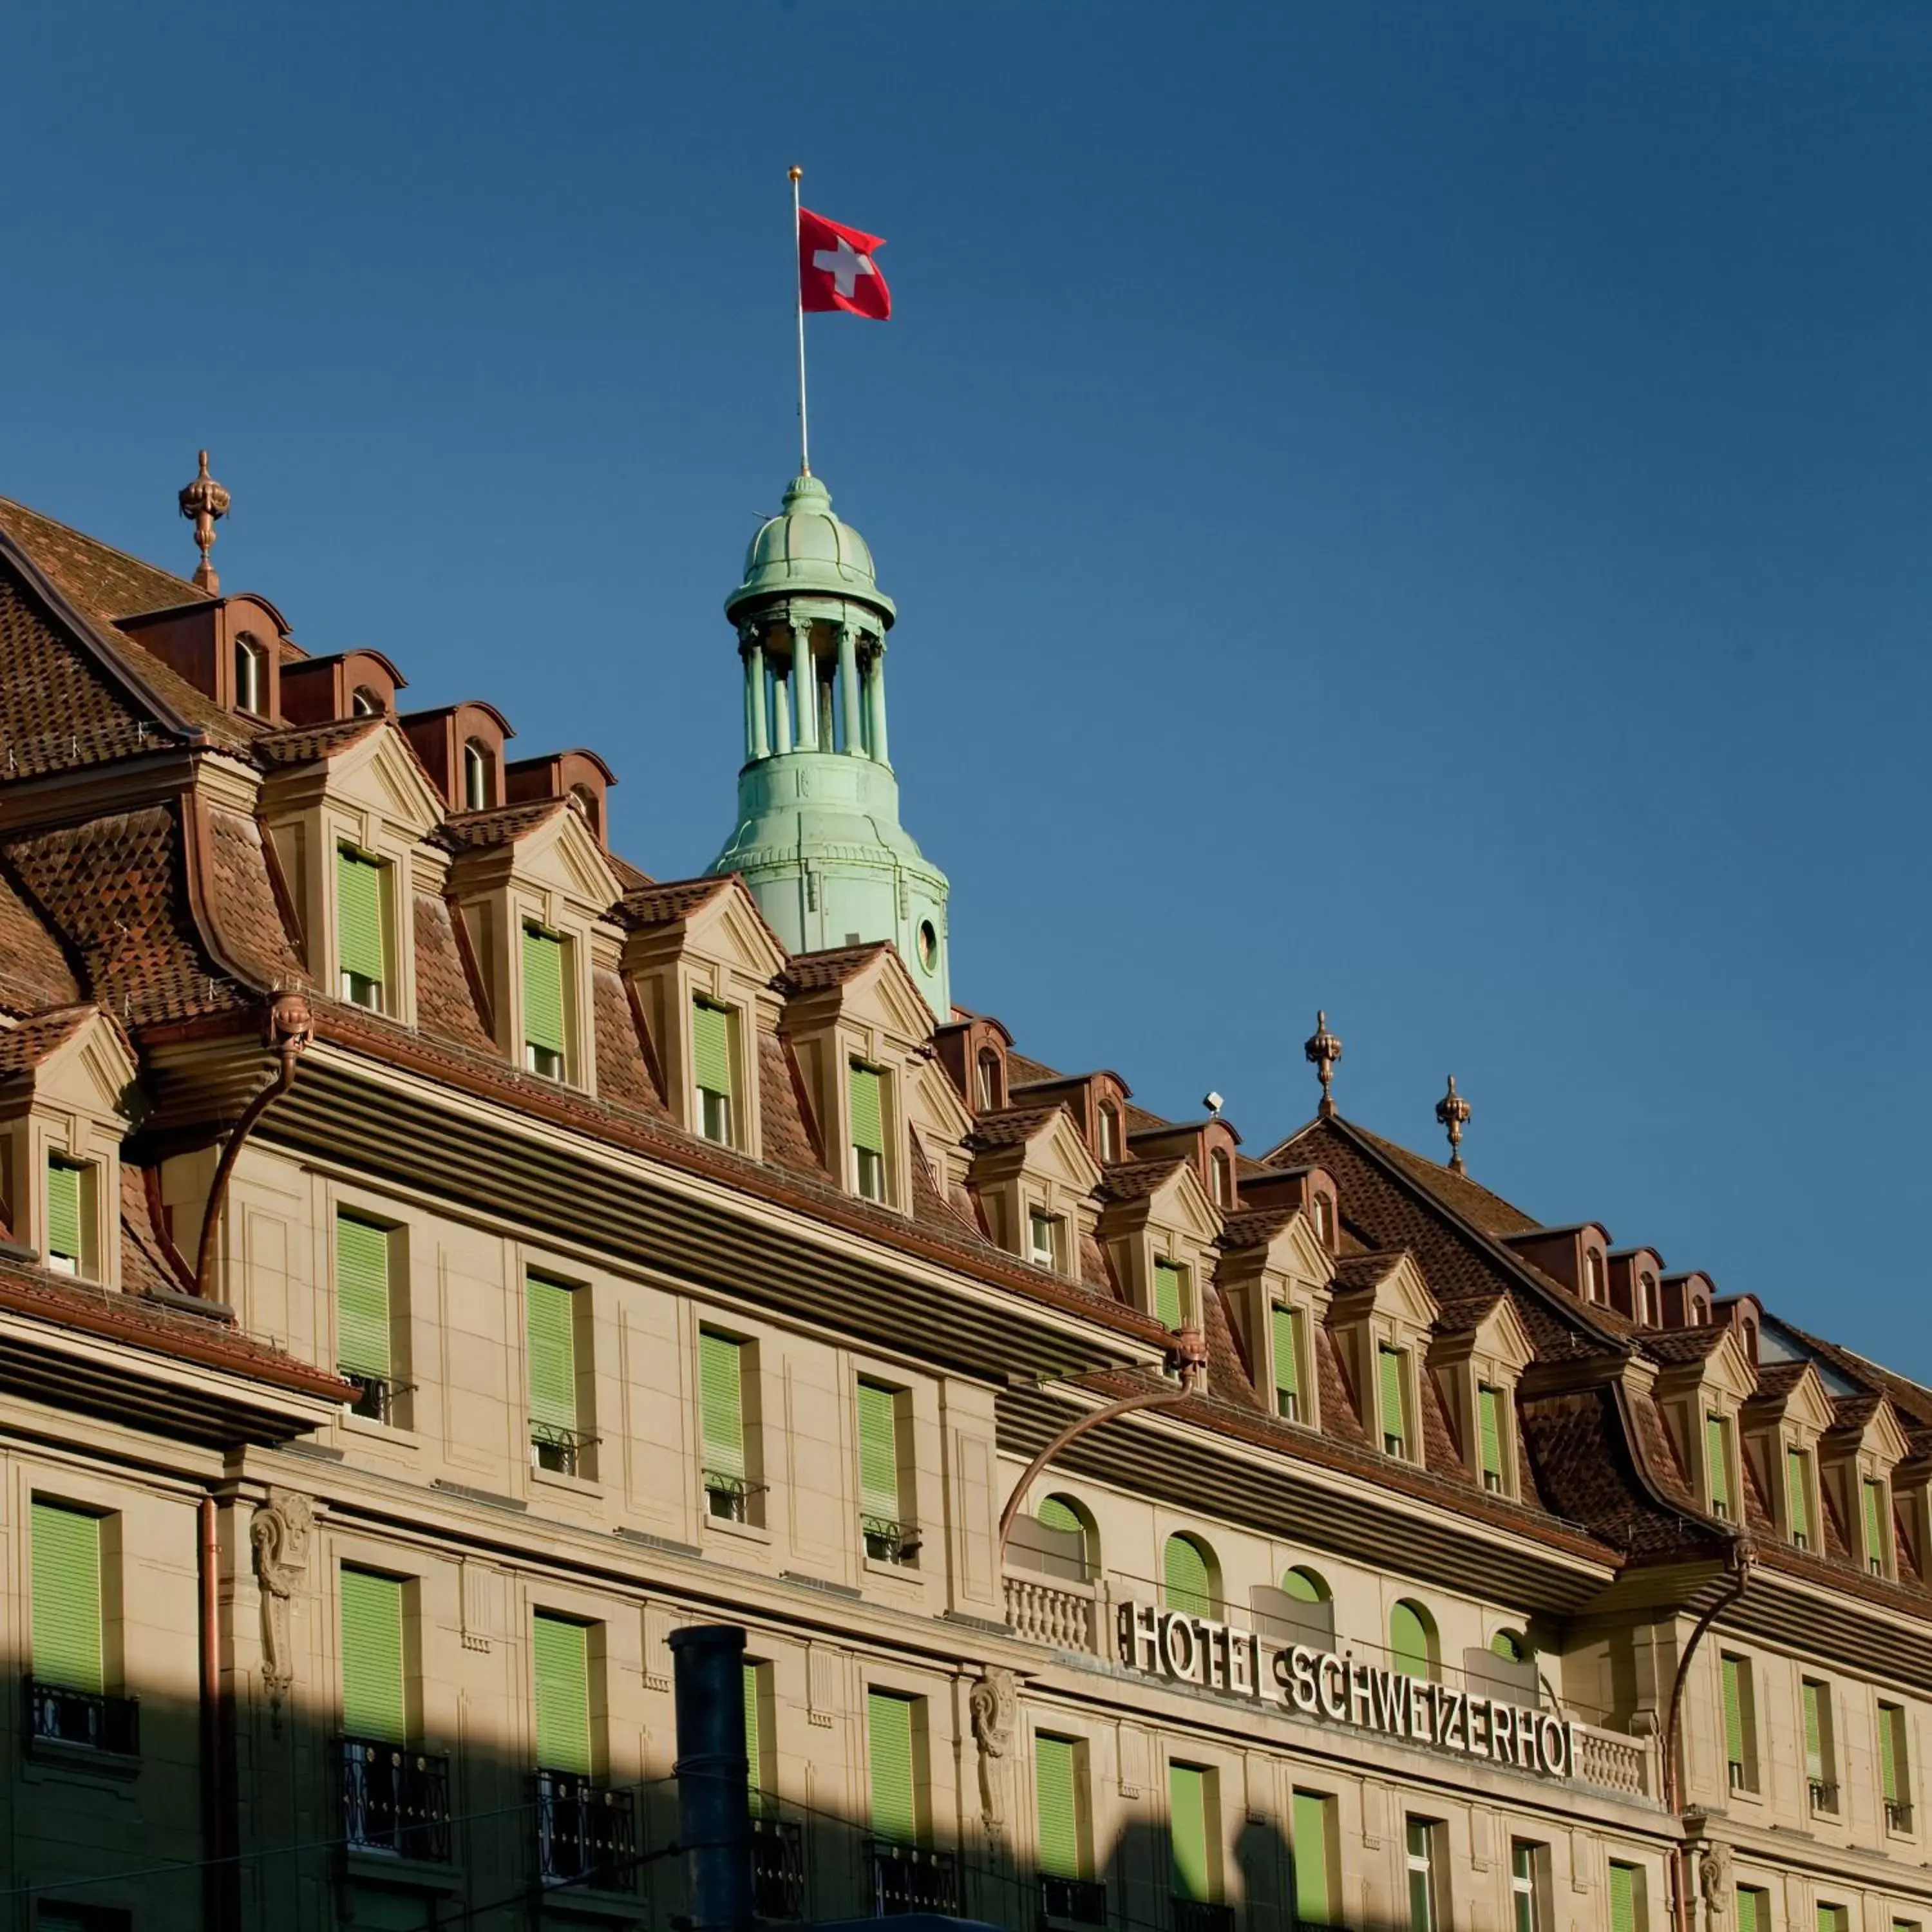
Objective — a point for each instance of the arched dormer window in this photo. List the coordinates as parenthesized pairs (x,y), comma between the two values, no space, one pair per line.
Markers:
(1189,1580)
(1413,1648)
(479,776)
(1700,1312)
(1110,1132)
(1648,1311)
(365,704)
(1324,1219)
(1222,1170)
(251,677)
(1593,1275)
(585,800)
(986,1081)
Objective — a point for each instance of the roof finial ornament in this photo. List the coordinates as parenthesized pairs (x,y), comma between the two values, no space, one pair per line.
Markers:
(1452,1110)
(206,502)
(1323,1050)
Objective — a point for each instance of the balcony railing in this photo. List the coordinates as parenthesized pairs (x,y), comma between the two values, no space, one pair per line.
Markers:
(729,1497)
(888,1540)
(586,1833)
(564,1451)
(1072,1901)
(395,1800)
(777,1866)
(1197,1915)
(910,1878)
(377,1399)
(1824,1796)
(1059,1614)
(58,1715)
(1897,1814)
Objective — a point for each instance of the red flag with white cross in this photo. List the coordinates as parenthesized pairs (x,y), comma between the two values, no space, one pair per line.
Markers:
(838,268)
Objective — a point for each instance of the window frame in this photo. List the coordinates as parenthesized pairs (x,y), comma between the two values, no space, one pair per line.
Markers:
(715,1111)
(1392,1366)
(559,1062)
(372,992)
(1738,1696)
(1423,1871)
(1529,1889)
(84,1264)
(870,1169)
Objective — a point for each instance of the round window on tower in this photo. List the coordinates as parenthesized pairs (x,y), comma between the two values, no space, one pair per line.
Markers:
(929,946)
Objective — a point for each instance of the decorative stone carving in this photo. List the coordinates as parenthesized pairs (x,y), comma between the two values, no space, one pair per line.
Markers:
(994,1705)
(280,1531)
(1714,1884)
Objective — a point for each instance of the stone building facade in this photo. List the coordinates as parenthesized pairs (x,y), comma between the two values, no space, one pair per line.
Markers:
(441,1260)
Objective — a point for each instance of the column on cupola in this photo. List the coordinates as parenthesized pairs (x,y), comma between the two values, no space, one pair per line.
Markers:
(757,734)
(875,700)
(804,686)
(781,714)
(848,690)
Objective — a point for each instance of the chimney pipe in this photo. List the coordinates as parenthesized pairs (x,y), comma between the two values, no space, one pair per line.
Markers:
(714,1811)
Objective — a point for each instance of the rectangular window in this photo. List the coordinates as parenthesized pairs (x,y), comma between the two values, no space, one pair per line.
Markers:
(69,1651)
(1798,1496)
(1820,1773)
(1189,1814)
(1046,1239)
(68,1213)
(889,1751)
(1424,1902)
(1489,1431)
(711,1062)
(1740,1723)
(363,1317)
(550,1315)
(1626,1898)
(1315,1852)
(1389,1387)
(882,1513)
(1056,1776)
(1529,1868)
(1170,1295)
(560,1650)
(755,1768)
(545,1031)
(361,951)
(1717,1453)
(868,1131)
(373,1706)
(1877,1518)
(1895,1769)
(1753,1909)
(1286,1336)
(1831,1918)
(721,1365)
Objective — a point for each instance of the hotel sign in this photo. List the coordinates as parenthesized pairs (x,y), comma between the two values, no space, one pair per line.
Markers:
(1339,1691)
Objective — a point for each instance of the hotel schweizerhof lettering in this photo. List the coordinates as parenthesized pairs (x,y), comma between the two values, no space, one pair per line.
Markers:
(1337,1689)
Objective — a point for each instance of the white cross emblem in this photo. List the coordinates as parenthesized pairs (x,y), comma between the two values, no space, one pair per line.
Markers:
(844,265)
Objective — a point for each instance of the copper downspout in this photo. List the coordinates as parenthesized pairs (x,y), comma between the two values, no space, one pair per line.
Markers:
(289,1029)
(1740,1569)
(1189,1354)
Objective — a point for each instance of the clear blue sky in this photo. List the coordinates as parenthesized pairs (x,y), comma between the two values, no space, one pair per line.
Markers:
(1419,510)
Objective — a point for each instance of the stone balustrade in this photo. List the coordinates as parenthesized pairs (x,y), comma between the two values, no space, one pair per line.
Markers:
(1614,1761)
(1059,1614)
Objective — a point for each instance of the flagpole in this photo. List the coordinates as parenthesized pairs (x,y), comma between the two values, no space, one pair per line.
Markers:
(798,290)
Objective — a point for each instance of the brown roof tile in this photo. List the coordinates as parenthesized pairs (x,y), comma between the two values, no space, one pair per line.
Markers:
(241,903)
(810,972)
(501,825)
(664,905)
(22,1048)
(1135,1180)
(445,1003)
(100,579)
(34,974)
(1010,1126)
(623,1077)
(304,744)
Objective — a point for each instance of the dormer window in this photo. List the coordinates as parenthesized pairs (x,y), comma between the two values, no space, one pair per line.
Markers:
(1877,1515)
(365,704)
(1717,1455)
(1593,1275)
(1648,1311)
(986,1081)
(70,1215)
(1221,1169)
(251,677)
(868,1131)
(1170,1295)
(1324,1220)
(1797,1497)
(360,928)
(1110,1132)
(1392,1388)
(545,1019)
(1048,1239)
(479,776)
(1490,1434)
(711,1062)
(1290,1378)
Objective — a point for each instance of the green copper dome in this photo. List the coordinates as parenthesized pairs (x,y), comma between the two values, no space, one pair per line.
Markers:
(806,551)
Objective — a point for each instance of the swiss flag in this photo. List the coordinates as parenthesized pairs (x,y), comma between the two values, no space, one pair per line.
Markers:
(836,268)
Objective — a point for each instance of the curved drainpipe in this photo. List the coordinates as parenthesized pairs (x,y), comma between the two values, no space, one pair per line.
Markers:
(289,1029)
(1188,1354)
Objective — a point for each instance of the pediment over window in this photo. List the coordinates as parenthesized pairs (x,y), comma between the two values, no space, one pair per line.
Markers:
(360,765)
(544,846)
(1390,1285)
(1867,1425)
(1793,1394)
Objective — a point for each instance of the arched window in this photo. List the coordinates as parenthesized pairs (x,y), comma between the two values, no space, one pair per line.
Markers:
(1700,1312)
(1188,1582)
(251,676)
(988,1079)
(1223,1169)
(365,704)
(1647,1311)
(1304,1585)
(1412,1639)
(1750,1338)
(479,776)
(1593,1270)
(1110,1131)
(1069,1527)
(585,800)
(1512,1646)
(1324,1219)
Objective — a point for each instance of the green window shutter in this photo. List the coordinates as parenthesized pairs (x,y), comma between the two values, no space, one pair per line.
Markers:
(1287,1363)
(1189,1584)
(878,1452)
(67,1599)
(1168,1308)
(1489,1401)
(561,1654)
(1734,1716)
(1408,1641)
(1623,1898)
(552,1342)
(1832,1918)
(1747,1912)
(1310,1850)
(711,1048)
(1874,1501)
(1302,1587)
(1187,1831)
(358,915)
(1393,1424)
(1054,1514)
(889,1751)
(720,1362)
(1797,1500)
(1054,1775)
(1720,1471)
(361,1298)
(372,1657)
(543,989)
(1814,1733)
(1888,1752)
(754,1750)
(64,1179)
(868,1118)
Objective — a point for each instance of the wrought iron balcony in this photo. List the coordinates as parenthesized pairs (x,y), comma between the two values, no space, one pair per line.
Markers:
(1824,1796)
(395,1800)
(564,1451)
(888,1540)
(1198,1915)
(586,1833)
(728,1498)
(58,1715)
(778,1865)
(1072,1901)
(1897,1814)
(910,1878)
(376,1398)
